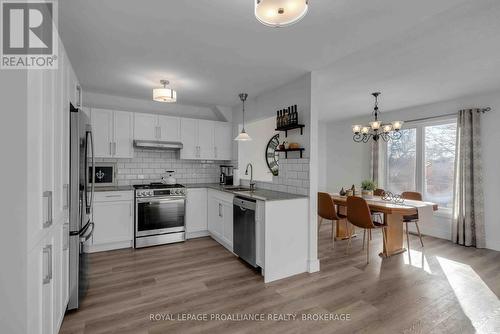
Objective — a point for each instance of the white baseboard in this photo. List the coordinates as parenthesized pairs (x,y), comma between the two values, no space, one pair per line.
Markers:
(109,246)
(313,266)
(197,234)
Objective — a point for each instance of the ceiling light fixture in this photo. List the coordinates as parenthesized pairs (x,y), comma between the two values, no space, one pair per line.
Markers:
(280,13)
(243,136)
(164,94)
(389,131)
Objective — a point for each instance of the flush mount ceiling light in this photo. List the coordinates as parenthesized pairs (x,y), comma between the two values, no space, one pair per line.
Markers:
(164,94)
(243,136)
(280,13)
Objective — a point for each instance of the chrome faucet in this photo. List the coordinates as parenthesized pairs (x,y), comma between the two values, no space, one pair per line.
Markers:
(252,183)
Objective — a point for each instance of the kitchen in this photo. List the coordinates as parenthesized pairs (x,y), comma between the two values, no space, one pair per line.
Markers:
(241,166)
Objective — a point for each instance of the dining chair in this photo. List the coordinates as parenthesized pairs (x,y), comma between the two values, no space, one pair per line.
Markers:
(358,214)
(326,210)
(378,215)
(415,196)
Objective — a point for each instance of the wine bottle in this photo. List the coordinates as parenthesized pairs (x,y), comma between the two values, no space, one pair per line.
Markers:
(277,118)
(296,117)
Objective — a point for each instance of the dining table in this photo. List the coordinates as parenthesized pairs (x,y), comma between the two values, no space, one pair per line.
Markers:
(392,214)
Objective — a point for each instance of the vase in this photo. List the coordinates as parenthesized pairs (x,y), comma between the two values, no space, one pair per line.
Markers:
(367,193)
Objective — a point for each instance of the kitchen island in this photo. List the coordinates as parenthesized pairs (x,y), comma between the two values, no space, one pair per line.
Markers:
(281,225)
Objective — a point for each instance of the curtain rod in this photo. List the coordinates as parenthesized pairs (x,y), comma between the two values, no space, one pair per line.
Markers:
(481,110)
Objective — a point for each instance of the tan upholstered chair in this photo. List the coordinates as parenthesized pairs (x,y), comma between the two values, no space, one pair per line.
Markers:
(358,214)
(326,210)
(415,196)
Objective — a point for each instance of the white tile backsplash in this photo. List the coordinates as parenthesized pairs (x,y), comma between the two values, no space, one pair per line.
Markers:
(152,164)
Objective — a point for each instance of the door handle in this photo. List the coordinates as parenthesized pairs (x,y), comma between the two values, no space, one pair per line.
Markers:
(66,196)
(47,251)
(48,195)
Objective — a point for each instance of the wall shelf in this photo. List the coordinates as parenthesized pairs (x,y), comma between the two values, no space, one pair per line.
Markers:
(292,150)
(291,127)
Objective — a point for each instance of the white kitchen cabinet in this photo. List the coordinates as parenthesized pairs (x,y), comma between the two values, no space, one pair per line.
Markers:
(189,138)
(113,133)
(223,141)
(114,221)
(156,127)
(220,217)
(170,128)
(206,139)
(196,213)
(145,126)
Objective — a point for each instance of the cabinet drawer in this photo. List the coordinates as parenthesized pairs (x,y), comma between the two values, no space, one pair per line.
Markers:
(113,196)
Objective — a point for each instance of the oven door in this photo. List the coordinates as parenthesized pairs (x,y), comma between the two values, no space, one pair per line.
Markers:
(159,215)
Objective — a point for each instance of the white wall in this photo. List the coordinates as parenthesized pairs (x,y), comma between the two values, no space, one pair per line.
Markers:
(343,157)
(253,151)
(98,100)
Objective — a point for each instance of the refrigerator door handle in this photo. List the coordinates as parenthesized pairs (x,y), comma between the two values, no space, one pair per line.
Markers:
(48,222)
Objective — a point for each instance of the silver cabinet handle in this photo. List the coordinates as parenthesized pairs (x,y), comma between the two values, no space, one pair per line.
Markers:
(159,132)
(47,251)
(114,148)
(220,210)
(111,196)
(48,195)
(66,196)
(65,236)
(215,151)
(130,210)
(110,149)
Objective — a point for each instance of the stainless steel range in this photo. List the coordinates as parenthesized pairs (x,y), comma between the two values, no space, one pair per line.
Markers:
(159,214)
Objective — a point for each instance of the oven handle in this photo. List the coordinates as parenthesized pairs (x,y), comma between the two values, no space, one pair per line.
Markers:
(161,200)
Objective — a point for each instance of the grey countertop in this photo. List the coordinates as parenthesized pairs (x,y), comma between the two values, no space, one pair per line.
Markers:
(114,188)
(258,194)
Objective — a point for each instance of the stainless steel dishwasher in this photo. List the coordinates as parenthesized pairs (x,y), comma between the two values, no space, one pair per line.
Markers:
(244,229)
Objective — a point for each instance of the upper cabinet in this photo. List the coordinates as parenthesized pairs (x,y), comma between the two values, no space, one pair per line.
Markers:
(223,141)
(156,127)
(113,133)
(189,138)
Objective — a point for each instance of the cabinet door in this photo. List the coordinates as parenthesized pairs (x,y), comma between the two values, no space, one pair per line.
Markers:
(170,128)
(102,127)
(223,141)
(196,210)
(145,126)
(189,138)
(206,139)
(113,222)
(123,134)
(227,222)
(215,217)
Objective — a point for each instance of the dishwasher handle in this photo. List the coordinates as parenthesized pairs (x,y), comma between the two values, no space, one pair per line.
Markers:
(244,203)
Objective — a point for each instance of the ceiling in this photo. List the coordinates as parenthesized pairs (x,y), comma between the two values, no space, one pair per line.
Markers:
(211,50)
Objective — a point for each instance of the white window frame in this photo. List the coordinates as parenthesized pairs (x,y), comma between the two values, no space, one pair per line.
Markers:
(420,157)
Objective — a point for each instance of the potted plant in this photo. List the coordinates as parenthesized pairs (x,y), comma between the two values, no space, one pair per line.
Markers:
(367,188)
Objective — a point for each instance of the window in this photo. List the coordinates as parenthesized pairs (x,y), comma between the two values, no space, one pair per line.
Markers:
(423,160)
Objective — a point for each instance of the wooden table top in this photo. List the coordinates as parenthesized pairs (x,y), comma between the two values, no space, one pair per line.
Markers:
(409,207)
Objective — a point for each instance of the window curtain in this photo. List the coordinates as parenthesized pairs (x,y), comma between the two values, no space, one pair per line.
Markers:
(468,208)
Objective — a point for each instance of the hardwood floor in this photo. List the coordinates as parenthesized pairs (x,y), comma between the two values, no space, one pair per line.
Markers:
(444,289)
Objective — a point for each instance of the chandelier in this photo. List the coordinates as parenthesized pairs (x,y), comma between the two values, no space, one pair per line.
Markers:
(376,129)
(280,13)
(164,94)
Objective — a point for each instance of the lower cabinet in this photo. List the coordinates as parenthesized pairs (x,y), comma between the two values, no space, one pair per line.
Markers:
(114,221)
(47,284)
(220,217)
(196,213)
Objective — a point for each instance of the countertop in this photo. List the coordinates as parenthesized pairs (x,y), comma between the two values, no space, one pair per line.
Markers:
(114,188)
(258,194)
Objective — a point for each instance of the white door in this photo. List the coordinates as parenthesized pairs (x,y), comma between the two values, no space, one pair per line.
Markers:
(227,222)
(223,141)
(102,129)
(196,210)
(170,128)
(145,126)
(206,139)
(189,138)
(113,222)
(123,134)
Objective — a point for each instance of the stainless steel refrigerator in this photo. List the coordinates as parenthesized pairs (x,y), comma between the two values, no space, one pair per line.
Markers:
(81,224)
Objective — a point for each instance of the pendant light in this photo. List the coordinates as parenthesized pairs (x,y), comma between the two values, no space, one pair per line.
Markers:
(164,94)
(280,13)
(243,136)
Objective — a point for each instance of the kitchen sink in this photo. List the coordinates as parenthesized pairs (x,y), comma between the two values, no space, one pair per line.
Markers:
(236,188)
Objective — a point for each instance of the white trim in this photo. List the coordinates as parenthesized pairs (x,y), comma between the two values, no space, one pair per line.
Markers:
(197,234)
(313,265)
